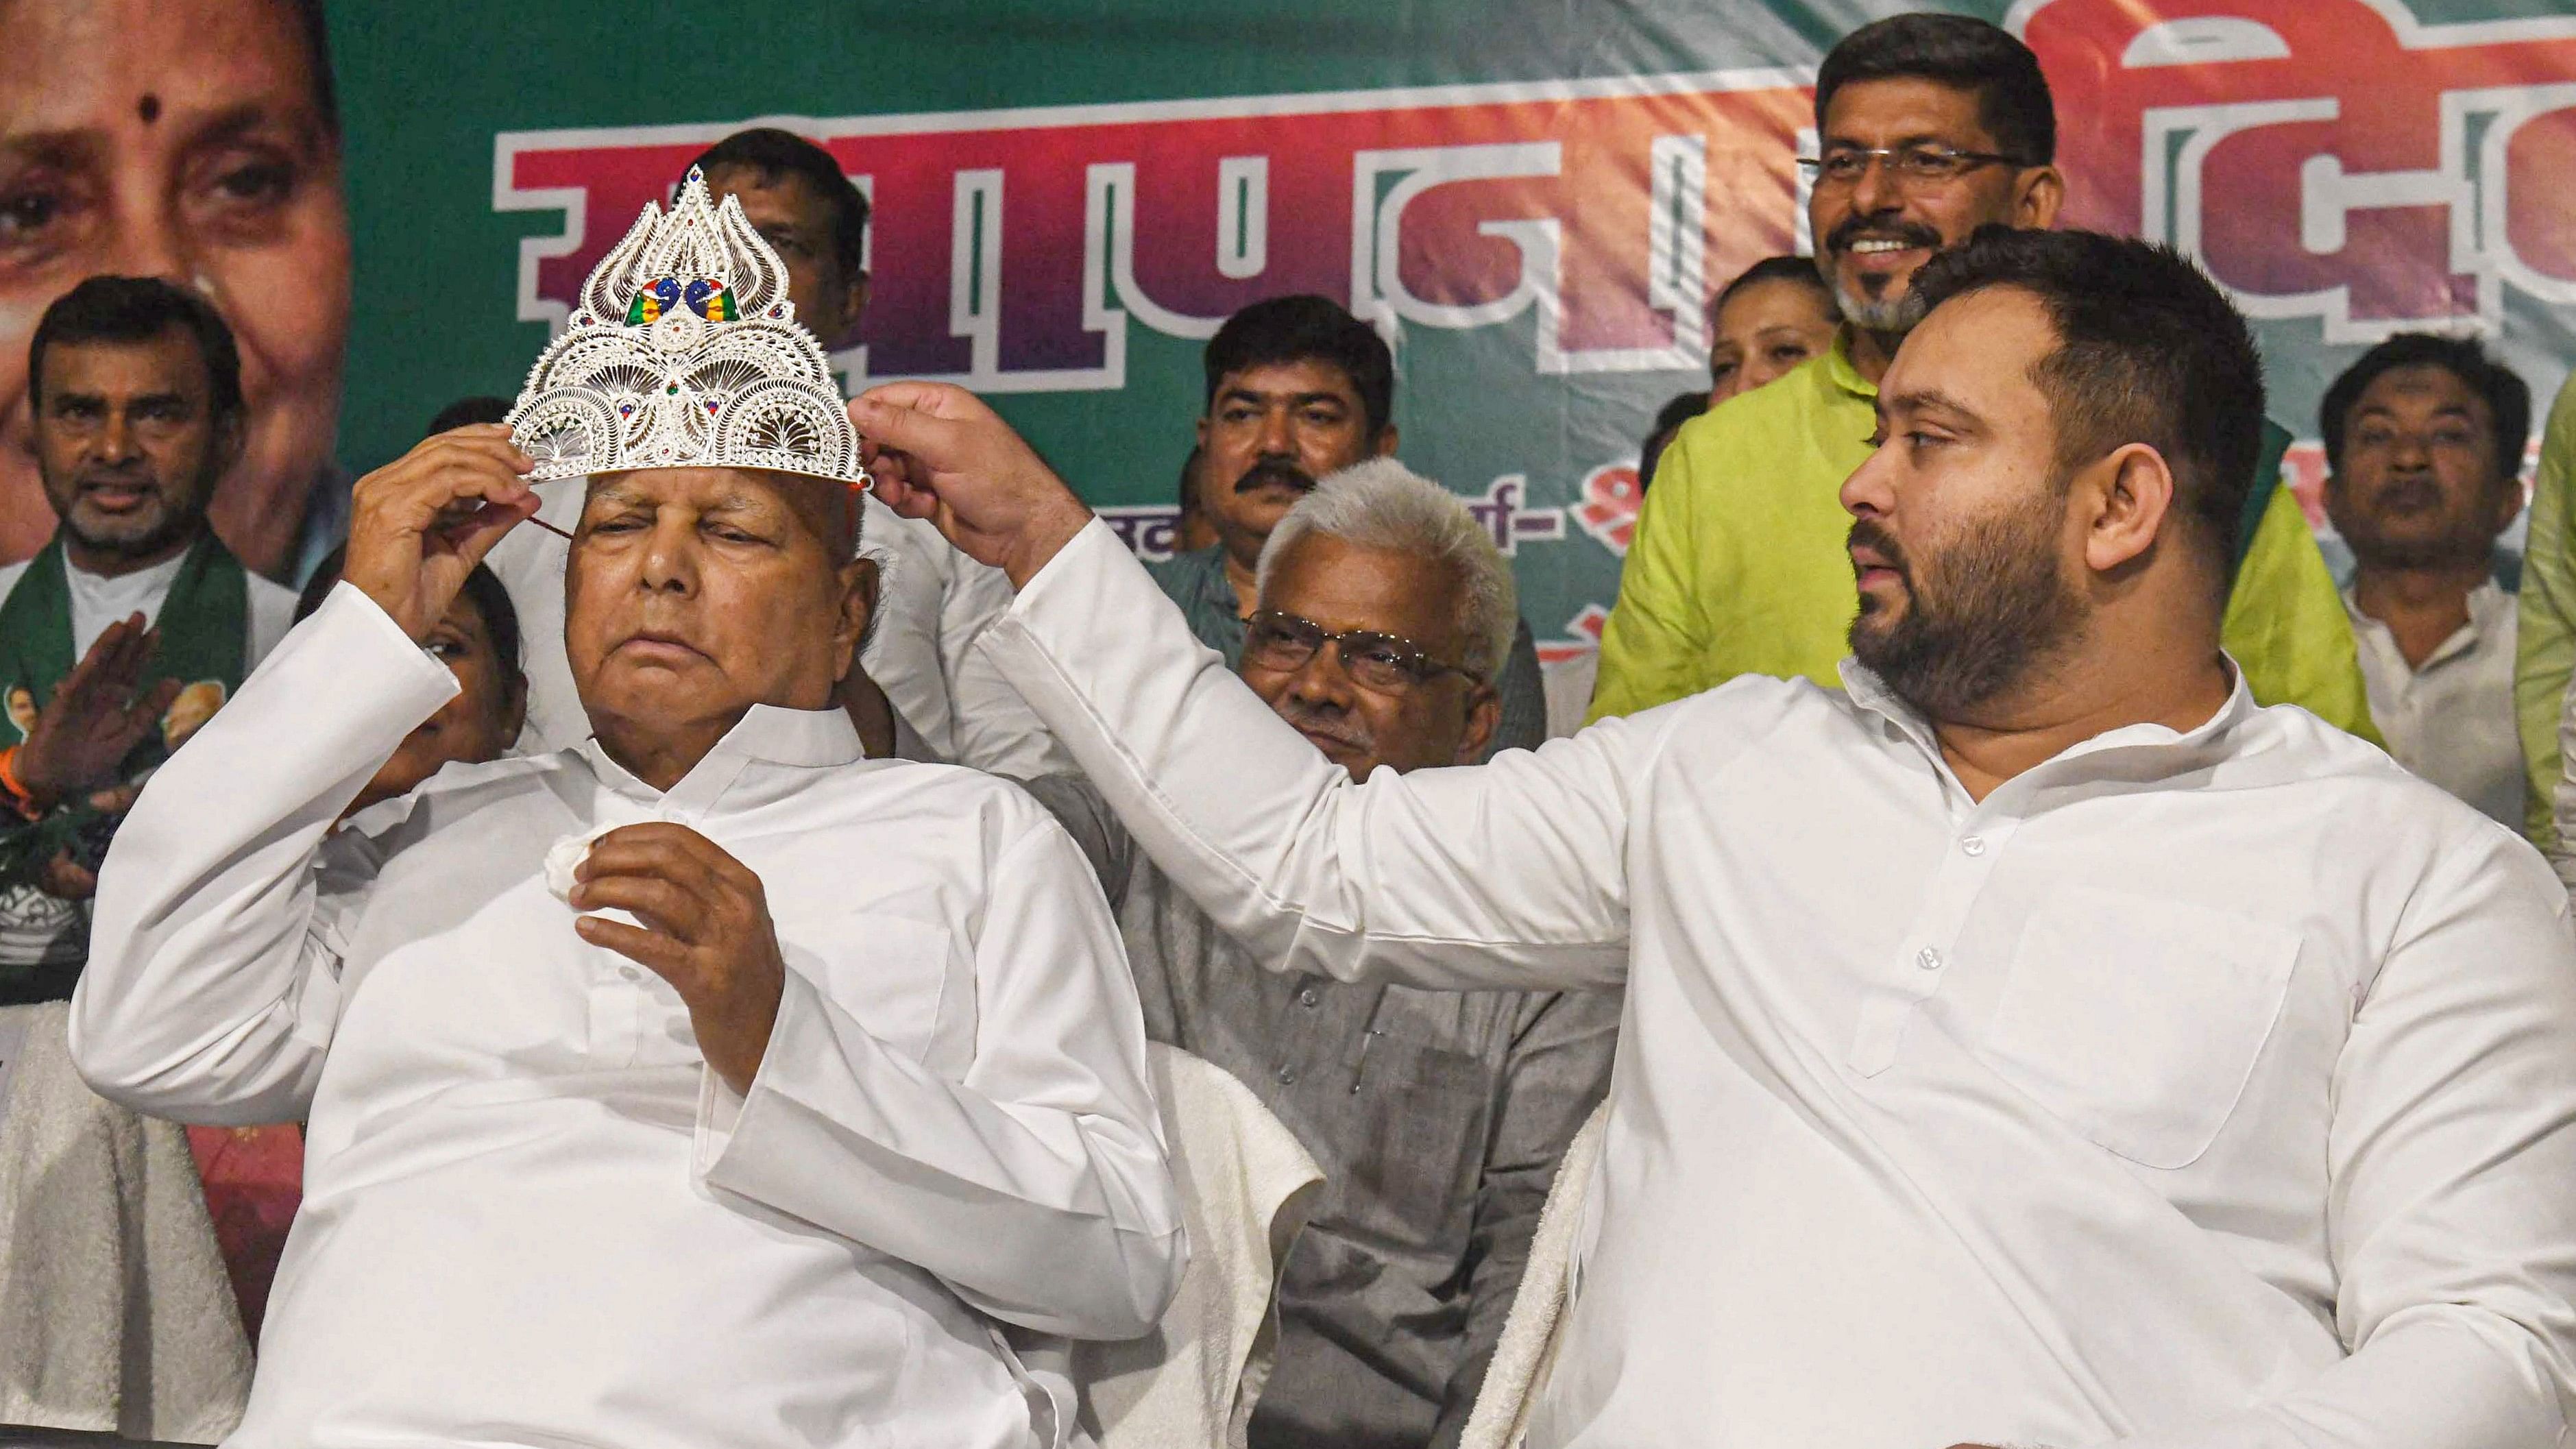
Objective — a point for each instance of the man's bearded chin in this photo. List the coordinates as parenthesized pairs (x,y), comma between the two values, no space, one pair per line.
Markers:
(2002,613)
(1271,471)
(1895,309)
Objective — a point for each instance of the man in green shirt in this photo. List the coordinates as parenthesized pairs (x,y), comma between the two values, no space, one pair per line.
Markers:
(1929,126)
(2545,648)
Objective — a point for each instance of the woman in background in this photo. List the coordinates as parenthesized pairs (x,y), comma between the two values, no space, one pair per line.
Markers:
(479,642)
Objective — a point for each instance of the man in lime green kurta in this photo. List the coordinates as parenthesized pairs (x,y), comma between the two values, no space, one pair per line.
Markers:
(2545,646)
(1738,567)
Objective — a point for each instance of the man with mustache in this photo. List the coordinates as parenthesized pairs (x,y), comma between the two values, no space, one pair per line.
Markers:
(2036,1041)
(1929,126)
(134,620)
(704,1083)
(2424,438)
(1382,613)
(197,141)
(1298,388)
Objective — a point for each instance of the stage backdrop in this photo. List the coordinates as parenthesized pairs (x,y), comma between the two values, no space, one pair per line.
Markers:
(1533,199)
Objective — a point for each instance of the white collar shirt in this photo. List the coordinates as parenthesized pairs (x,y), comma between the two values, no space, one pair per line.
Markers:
(99,600)
(2451,718)
(2196,1088)
(933,602)
(532,1216)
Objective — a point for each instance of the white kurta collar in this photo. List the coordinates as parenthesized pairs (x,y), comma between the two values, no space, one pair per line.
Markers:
(1866,690)
(796,738)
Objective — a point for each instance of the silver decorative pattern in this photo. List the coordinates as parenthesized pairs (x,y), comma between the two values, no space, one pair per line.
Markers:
(686,352)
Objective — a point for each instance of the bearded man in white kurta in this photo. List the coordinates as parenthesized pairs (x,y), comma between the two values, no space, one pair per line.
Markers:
(2037,1043)
(836,1072)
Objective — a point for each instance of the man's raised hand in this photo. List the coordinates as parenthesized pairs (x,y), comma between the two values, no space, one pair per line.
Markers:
(421,523)
(97,715)
(937,452)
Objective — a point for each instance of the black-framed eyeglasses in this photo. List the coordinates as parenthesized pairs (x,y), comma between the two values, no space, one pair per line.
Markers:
(1276,639)
(1921,164)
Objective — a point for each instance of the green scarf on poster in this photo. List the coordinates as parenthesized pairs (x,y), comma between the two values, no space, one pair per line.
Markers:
(204,625)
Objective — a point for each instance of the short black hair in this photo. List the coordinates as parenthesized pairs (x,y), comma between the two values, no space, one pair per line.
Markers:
(1783,268)
(490,597)
(2508,397)
(139,309)
(1962,52)
(315,28)
(1677,410)
(2149,350)
(772,153)
(1306,328)
(468,410)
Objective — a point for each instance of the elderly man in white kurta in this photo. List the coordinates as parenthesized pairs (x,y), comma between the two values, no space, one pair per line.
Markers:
(704,1084)
(2038,1043)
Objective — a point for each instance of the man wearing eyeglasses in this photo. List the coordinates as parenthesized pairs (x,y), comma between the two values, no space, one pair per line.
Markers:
(1928,127)
(1382,616)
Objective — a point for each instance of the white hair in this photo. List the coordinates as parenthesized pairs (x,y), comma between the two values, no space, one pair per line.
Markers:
(1381,504)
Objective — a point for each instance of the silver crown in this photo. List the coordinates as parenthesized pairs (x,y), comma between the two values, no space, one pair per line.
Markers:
(685,352)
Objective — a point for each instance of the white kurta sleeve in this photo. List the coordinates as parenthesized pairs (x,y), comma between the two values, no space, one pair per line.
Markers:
(212,986)
(1506,875)
(995,729)
(1036,1185)
(2449,1215)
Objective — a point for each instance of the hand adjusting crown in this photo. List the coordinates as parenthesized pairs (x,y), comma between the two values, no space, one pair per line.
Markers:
(685,352)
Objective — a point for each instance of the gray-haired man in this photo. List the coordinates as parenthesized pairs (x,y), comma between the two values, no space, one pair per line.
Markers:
(1383,615)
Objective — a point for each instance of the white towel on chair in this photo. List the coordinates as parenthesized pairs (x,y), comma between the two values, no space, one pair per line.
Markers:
(115,1312)
(1527,1347)
(1246,1187)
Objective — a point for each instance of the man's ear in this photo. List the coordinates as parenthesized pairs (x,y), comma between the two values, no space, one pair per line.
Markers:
(2130,498)
(1484,716)
(1386,441)
(858,608)
(2041,191)
(857,297)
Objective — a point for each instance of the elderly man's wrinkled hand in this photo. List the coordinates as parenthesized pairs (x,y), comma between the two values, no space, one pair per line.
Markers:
(937,452)
(706,930)
(421,523)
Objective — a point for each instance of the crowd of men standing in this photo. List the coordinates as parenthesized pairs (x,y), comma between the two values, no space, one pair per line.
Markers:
(1365,608)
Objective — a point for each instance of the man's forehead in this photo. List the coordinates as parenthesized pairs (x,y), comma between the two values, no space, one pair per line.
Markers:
(167,361)
(1974,353)
(2422,384)
(1892,110)
(736,488)
(1343,585)
(1297,377)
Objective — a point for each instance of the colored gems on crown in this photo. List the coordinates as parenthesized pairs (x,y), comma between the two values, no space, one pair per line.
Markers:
(685,352)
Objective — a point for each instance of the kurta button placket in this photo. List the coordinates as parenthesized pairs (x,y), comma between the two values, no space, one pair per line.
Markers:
(1889,1000)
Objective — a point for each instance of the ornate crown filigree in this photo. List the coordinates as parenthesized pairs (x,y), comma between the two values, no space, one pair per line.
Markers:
(686,352)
